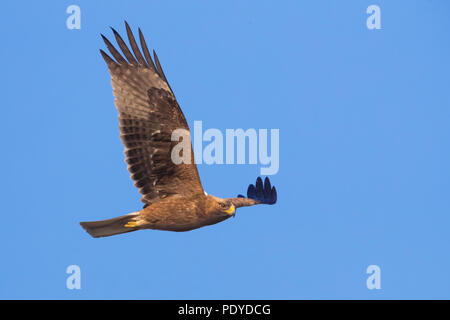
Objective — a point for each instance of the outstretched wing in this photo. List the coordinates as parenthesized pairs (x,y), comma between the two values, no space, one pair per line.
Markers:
(148,114)
(257,194)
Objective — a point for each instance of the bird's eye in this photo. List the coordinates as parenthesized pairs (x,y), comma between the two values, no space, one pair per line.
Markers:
(223,205)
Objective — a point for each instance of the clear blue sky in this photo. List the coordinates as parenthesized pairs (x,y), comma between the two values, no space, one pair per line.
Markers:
(364,150)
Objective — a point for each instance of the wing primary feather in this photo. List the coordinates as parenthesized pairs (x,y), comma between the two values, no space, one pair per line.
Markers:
(274,195)
(113,51)
(160,70)
(107,58)
(251,192)
(124,47)
(134,46)
(259,188)
(158,66)
(267,188)
(147,55)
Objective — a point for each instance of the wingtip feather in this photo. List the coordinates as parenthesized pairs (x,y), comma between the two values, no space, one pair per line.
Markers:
(262,192)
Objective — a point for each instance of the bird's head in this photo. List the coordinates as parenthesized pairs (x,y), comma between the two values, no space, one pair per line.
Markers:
(223,207)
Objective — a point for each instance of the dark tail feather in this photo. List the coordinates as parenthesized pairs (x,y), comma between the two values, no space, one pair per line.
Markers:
(110,227)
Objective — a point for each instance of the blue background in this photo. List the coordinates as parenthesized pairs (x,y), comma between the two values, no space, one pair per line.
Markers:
(364,136)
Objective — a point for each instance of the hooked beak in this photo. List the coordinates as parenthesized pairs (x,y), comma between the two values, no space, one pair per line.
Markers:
(232,210)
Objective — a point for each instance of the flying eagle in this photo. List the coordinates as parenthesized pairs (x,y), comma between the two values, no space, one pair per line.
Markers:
(172,194)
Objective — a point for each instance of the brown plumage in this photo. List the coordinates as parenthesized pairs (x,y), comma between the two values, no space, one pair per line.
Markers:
(173,195)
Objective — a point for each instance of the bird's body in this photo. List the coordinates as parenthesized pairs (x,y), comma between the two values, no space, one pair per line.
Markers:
(181,214)
(173,196)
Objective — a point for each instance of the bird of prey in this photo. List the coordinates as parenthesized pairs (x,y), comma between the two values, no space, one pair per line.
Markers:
(173,196)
